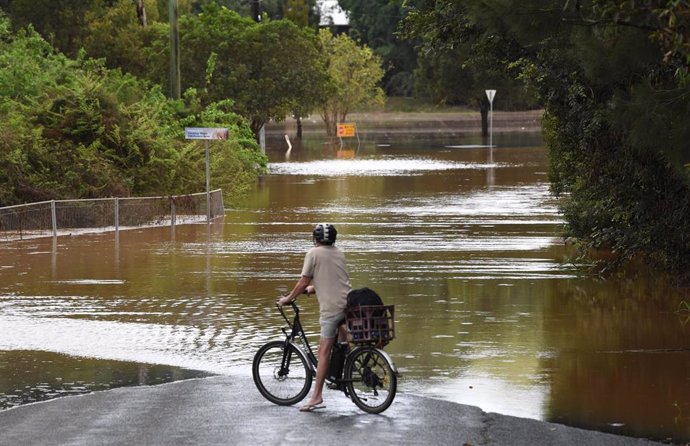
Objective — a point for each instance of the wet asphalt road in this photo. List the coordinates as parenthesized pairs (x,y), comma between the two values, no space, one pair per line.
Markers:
(230,411)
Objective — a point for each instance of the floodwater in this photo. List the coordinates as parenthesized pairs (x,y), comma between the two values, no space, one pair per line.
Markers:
(464,241)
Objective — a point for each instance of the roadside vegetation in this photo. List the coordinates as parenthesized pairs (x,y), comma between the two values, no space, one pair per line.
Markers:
(613,77)
(84,112)
(71,128)
(83,86)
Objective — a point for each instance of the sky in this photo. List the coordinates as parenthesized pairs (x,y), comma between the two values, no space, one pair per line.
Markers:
(331,12)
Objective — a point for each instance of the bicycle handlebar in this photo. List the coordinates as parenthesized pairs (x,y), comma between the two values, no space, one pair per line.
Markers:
(295,308)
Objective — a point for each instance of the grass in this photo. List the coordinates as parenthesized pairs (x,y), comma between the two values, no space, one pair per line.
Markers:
(401,104)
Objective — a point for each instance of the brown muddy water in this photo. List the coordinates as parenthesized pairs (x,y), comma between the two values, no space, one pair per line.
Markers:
(462,239)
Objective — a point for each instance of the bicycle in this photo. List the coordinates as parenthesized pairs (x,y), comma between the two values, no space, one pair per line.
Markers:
(283,371)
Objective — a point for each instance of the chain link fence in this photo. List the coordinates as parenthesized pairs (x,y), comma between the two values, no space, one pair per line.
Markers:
(63,217)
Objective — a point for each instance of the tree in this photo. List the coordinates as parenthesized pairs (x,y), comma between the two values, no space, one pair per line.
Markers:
(277,85)
(298,12)
(270,70)
(355,73)
(374,23)
(275,9)
(141,12)
(118,37)
(225,56)
(617,146)
(458,60)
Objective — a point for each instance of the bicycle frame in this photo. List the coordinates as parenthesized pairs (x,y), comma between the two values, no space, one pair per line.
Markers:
(296,331)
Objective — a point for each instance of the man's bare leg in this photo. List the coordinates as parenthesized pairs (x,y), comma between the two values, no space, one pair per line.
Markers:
(325,346)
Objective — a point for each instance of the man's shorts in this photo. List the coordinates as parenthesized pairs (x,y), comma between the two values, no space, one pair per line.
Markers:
(329,326)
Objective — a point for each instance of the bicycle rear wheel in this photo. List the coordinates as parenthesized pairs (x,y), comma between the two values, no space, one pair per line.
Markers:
(281,374)
(371,380)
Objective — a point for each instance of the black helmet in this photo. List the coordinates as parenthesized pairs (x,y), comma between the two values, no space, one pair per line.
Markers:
(325,233)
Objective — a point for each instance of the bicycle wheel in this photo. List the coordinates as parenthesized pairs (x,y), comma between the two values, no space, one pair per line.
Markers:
(281,382)
(371,380)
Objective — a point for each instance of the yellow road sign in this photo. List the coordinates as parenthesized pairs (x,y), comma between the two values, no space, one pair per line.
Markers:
(346,130)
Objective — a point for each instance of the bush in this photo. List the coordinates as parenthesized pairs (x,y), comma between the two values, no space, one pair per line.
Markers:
(74,129)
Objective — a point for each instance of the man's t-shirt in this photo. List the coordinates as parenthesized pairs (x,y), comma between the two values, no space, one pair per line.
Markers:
(325,265)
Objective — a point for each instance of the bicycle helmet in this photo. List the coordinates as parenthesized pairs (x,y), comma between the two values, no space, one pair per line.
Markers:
(325,233)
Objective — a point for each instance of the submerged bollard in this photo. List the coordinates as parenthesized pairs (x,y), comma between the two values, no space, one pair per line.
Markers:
(287,152)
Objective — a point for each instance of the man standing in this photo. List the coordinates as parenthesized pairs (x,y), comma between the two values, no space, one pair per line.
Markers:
(325,273)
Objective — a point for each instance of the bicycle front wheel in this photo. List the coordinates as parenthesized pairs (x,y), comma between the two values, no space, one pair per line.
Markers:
(371,380)
(281,373)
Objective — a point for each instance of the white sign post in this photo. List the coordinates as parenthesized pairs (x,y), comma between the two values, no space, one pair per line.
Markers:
(206,134)
(490,95)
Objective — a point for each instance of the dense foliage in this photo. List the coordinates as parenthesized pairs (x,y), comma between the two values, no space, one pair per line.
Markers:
(269,70)
(613,76)
(302,12)
(374,23)
(71,128)
(354,72)
(85,128)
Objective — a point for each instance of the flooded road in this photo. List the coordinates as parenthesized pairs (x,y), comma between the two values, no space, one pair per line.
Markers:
(463,241)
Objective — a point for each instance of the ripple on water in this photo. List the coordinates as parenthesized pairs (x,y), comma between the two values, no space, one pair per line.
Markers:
(371,167)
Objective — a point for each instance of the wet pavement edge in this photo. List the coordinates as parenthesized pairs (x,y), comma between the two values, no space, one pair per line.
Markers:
(229,410)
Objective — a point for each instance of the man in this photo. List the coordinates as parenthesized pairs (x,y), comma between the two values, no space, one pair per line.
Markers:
(325,273)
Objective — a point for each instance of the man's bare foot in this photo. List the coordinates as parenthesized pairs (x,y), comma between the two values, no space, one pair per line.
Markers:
(312,405)
(315,402)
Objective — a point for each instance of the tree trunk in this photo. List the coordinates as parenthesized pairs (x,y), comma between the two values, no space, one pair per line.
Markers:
(141,12)
(256,10)
(175,83)
(484,111)
(255,125)
(329,122)
(299,127)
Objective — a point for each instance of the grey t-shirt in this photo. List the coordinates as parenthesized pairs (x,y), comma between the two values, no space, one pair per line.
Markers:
(325,266)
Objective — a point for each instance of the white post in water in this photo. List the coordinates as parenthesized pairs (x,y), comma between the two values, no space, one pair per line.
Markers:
(490,95)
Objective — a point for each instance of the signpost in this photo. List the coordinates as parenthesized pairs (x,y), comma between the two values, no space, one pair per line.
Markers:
(347,130)
(490,95)
(206,134)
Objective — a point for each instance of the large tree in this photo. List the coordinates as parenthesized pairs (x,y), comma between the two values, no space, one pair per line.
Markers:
(302,12)
(355,73)
(269,70)
(459,61)
(614,125)
(119,38)
(374,23)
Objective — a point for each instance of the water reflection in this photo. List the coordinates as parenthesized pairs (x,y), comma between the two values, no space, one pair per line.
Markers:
(467,250)
(29,377)
(390,166)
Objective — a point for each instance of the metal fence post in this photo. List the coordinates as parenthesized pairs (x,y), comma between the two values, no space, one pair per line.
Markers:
(53,217)
(117,214)
(172,211)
